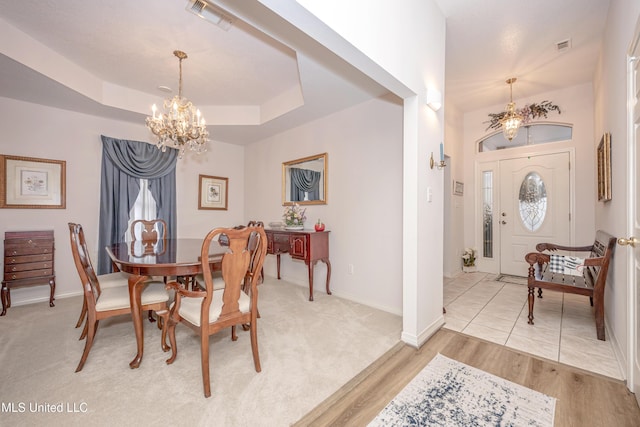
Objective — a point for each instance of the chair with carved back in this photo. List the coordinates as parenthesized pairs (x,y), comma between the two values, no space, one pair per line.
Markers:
(211,310)
(105,302)
(148,237)
(198,279)
(148,234)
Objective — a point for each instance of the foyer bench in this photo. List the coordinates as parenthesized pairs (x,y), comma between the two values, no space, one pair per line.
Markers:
(591,283)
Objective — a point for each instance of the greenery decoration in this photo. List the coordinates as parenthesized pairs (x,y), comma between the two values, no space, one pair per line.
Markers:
(294,215)
(469,257)
(529,112)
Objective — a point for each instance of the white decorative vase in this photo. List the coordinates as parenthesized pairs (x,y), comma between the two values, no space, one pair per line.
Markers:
(294,227)
(469,269)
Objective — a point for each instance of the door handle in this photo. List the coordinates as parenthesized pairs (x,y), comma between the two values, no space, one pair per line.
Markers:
(504,214)
(631,241)
(503,222)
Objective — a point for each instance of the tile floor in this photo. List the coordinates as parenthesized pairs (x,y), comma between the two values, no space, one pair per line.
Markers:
(564,330)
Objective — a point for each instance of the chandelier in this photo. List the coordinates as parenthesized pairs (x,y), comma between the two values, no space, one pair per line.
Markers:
(181,124)
(512,119)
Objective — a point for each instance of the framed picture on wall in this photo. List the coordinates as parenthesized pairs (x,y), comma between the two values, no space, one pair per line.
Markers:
(32,183)
(213,192)
(458,188)
(604,168)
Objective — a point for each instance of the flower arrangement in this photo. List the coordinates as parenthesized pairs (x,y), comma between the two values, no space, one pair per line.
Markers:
(294,216)
(528,113)
(469,257)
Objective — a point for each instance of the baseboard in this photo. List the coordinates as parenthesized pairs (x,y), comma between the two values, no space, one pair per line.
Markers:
(16,302)
(621,356)
(422,337)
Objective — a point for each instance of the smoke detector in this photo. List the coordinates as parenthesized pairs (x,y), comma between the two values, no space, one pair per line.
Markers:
(563,45)
(211,13)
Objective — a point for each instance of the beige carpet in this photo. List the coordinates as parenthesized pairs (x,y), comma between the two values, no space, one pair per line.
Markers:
(307,349)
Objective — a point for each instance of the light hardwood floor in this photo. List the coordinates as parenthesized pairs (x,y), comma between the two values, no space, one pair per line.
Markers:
(583,398)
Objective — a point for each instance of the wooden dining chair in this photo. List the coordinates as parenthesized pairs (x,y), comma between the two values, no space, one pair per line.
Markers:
(105,302)
(147,233)
(209,311)
(149,237)
(198,279)
(149,230)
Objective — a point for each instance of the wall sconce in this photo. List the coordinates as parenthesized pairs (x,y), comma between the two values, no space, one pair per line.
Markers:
(441,164)
(434,99)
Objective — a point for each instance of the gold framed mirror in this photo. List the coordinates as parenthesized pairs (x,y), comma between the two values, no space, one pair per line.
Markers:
(304,181)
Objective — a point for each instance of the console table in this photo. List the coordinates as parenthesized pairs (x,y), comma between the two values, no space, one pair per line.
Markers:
(306,245)
(28,261)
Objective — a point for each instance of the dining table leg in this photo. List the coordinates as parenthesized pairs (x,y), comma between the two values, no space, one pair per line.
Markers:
(136,285)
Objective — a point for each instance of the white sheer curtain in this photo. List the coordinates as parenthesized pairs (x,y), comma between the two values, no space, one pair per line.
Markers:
(143,208)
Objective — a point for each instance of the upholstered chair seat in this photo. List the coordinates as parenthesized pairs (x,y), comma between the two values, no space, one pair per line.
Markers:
(117,278)
(116,297)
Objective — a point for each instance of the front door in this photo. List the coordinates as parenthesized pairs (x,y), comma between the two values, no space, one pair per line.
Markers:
(534,207)
(633,221)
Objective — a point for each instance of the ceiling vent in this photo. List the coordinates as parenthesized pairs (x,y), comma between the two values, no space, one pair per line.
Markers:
(211,13)
(563,45)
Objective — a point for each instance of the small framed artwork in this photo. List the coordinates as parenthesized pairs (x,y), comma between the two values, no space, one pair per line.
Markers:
(213,192)
(604,168)
(458,188)
(32,183)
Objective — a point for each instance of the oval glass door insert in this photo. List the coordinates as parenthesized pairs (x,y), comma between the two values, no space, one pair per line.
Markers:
(532,200)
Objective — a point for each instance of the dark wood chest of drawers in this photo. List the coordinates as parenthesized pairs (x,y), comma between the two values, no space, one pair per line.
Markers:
(28,261)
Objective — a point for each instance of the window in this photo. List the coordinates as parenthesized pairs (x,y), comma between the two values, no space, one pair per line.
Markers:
(533,133)
(487,214)
(143,208)
(532,201)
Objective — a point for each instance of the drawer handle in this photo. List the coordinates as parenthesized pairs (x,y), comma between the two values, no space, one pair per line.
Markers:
(13,276)
(13,269)
(13,260)
(15,253)
(30,242)
(46,250)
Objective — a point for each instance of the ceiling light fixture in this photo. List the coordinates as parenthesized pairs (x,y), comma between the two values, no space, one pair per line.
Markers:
(210,12)
(512,119)
(181,124)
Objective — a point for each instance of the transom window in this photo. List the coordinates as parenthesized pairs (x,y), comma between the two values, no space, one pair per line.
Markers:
(530,134)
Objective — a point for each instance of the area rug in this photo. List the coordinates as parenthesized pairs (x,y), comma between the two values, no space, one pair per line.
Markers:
(507,278)
(450,393)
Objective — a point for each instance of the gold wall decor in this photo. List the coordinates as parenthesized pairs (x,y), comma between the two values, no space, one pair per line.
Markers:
(604,168)
(32,183)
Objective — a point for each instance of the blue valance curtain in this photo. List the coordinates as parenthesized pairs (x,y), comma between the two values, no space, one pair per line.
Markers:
(305,181)
(124,163)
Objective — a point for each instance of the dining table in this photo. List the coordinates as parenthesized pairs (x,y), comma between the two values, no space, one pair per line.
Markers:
(166,257)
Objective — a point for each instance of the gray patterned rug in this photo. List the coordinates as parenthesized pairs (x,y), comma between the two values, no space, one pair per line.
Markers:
(450,393)
(507,278)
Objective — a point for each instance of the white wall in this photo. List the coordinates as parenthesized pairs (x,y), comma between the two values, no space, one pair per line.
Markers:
(576,104)
(419,28)
(364,199)
(610,108)
(37,131)
(454,210)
